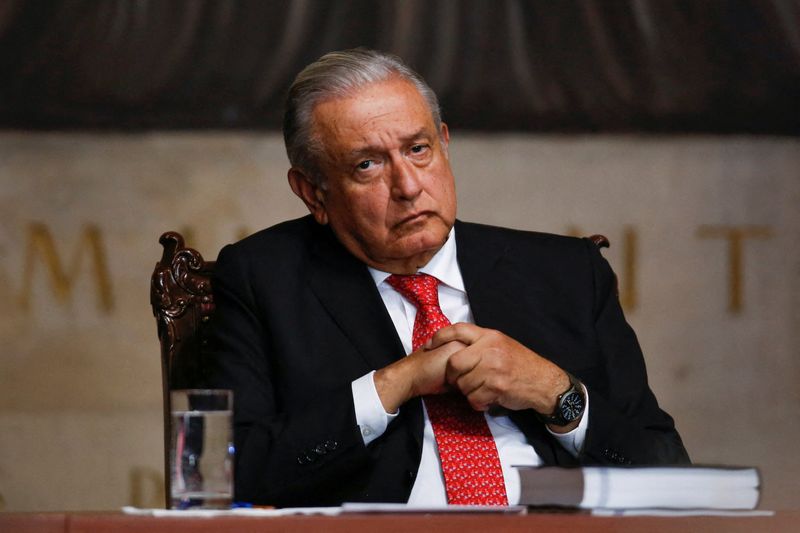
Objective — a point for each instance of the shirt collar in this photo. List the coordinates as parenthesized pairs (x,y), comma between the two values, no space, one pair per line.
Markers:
(443,266)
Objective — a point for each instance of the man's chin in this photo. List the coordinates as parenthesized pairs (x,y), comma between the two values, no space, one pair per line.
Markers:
(421,244)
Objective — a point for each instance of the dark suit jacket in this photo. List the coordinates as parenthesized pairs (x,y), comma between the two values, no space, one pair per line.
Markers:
(298,319)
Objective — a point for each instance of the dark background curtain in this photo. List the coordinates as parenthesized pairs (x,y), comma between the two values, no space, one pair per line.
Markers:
(498,65)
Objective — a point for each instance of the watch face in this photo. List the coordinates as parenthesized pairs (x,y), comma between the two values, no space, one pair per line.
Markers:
(572,406)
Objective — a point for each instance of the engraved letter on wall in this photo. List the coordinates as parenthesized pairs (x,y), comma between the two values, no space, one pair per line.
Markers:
(41,248)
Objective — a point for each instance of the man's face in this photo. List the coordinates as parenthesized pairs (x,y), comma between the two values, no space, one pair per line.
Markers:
(389,193)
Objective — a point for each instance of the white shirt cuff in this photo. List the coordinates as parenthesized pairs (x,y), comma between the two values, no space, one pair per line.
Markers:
(371,418)
(573,440)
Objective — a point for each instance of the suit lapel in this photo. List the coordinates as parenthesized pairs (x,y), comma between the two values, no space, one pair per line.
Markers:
(503,295)
(476,258)
(345,288)
(480,261)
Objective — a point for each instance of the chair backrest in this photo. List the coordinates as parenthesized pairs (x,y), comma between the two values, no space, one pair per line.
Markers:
(600,241)
(182,301)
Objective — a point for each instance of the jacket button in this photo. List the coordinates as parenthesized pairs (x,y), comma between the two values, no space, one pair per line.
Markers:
(320,449)
(331,445)
(306,458)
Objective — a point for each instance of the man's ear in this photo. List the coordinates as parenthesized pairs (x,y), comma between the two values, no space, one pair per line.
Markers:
(312,194)
(444,137)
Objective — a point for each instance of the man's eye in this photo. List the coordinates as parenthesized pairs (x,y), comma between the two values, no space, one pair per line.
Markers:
(365,165)
(418,148)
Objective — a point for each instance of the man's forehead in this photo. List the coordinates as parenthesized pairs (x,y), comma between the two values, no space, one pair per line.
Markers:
(366,118)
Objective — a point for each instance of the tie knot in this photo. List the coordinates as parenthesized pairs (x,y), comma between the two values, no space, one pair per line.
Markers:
(419,289)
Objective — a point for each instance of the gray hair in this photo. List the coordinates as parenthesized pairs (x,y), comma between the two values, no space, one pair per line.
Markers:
(338,75)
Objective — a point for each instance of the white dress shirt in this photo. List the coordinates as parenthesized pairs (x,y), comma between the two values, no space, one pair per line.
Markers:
(428,489)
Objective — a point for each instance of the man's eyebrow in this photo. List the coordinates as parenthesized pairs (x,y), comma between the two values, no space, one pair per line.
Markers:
(358,152)
(422,133)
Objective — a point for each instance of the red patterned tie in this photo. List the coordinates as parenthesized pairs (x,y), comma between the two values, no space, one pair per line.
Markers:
(471,466)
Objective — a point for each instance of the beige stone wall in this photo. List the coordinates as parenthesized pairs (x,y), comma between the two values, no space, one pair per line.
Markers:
(704,235)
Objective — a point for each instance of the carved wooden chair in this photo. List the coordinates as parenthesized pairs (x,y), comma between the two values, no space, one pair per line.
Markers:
(600,241)
(182,301)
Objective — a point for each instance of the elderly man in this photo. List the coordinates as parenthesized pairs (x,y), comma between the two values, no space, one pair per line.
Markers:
(380,350)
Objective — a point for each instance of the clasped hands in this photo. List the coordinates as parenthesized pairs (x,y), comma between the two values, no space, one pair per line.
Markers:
(486,366)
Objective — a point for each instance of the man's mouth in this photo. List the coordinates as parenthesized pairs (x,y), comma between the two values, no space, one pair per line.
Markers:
(415,217)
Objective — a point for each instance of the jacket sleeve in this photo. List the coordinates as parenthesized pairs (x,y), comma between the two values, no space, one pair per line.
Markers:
(287,452)
(626,425)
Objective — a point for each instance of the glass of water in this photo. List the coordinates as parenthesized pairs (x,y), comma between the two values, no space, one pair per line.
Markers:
(201,457)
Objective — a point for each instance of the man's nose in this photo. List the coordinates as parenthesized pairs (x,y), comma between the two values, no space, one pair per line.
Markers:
(406,183)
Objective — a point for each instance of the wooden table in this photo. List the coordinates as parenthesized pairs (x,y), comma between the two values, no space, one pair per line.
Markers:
(389,523)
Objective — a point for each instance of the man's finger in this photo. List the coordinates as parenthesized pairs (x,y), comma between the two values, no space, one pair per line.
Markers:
(445,350)
(461,331)
(468,383)
(460,364)
(481,399)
